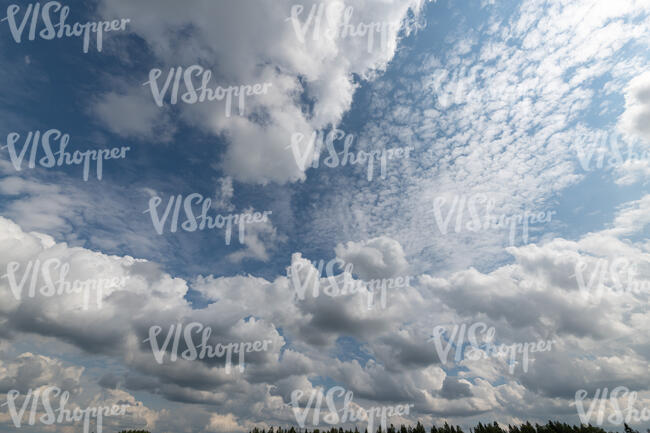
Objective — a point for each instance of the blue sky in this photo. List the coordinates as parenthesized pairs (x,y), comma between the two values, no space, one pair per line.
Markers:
(495,99)
(55,72)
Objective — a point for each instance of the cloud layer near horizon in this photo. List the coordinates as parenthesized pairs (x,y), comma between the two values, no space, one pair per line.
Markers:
(537,297)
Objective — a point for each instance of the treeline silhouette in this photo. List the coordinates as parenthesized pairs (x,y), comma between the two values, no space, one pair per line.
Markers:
(550,427)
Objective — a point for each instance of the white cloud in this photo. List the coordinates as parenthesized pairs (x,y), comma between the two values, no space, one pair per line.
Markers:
(257,149)
(260,239)
(225,424)
(504,119)
(224,195)
(381,257)
(537,297)
(31,371)
(132,114)
(636,118)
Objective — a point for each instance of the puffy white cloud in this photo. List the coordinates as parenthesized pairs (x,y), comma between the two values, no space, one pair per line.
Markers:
(380,257)
(599,341)
(317,67)
(636,118)
(229,423)
(32,371)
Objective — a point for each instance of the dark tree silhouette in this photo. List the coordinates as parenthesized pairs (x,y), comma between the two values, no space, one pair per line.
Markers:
(550,427)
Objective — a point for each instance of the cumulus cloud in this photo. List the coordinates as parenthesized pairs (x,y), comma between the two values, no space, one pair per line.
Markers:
(537,297)
(636,118)
(381,257)
(31,371)
(318,67)
(225,423)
